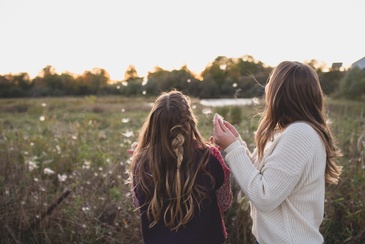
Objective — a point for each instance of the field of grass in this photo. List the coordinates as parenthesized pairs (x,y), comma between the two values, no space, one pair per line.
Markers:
(64,178)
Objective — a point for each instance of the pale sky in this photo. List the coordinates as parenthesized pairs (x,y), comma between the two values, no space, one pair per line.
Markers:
(79,35)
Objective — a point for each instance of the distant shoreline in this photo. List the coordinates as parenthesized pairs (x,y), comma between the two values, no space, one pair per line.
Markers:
(220,102)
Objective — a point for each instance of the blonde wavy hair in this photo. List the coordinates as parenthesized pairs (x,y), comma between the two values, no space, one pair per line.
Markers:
(164,164)
(294,93)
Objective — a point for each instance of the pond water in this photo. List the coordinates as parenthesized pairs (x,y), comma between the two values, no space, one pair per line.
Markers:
(220,102)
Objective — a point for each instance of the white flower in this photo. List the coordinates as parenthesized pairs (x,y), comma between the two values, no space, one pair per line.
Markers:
(48,171)
(86,165)
(32,165)
(58,149)
(128,133)
(125,120)
(207,111)
(62,178)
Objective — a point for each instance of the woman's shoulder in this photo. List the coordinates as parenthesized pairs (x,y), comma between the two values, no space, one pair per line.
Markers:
(301,130)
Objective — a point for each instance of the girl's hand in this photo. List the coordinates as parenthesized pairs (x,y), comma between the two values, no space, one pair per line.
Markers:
(223,136)
(133,148)
(231,128)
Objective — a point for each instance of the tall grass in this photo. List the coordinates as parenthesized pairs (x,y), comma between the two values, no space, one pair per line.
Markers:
(63,165)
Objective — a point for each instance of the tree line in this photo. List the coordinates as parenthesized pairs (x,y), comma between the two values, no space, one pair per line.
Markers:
(224,77)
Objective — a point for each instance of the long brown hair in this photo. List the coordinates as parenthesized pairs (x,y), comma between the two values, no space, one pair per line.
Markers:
(164,165)
(294,93)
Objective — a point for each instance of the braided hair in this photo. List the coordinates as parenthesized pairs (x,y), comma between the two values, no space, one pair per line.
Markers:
(165,164)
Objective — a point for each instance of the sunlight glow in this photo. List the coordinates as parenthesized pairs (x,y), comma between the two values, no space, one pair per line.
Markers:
(62,34)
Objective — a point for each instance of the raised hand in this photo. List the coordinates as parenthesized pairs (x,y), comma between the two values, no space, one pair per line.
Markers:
(133,148)
(222,135)
(231,128)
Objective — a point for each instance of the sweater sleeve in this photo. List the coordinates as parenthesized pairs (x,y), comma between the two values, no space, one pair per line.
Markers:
(283,167)
(224,193)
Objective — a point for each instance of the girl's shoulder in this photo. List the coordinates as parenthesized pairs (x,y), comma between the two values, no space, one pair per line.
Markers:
(299,133)
(217,154)
(301,128)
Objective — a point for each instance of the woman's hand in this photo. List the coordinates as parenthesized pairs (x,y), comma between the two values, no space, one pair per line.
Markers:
(231,128)
(222,134)
(133,148)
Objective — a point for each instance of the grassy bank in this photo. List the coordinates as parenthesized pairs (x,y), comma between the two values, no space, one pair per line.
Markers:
(73,151)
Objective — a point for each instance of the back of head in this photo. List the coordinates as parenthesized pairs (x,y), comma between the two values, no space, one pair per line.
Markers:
(294,93)
(167,152)
(171,115)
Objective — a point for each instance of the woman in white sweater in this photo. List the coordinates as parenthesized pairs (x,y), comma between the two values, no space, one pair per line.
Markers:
(284,178)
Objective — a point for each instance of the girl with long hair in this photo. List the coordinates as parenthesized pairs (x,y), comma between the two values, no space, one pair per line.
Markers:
(284,178)
(180,183)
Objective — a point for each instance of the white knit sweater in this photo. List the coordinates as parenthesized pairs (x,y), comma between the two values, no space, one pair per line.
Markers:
(286,188)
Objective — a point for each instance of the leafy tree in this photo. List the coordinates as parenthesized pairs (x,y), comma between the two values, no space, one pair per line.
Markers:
(318,66)
(217,71)
(95,80)
(130,73)
(134,87)
(352,85)
(330,80)
(209,89)
(247,65)
(151,87)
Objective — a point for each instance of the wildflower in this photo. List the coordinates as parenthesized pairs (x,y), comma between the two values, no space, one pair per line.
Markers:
(32,165)
(47,161)
(256,100)
(62,178)
(48,171)
(42,118)
(85,209)
(128,133)
(125,120)
(102,135)
(207,111)
(86,165)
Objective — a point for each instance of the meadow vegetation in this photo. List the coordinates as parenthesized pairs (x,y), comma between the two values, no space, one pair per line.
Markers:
(64,170)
